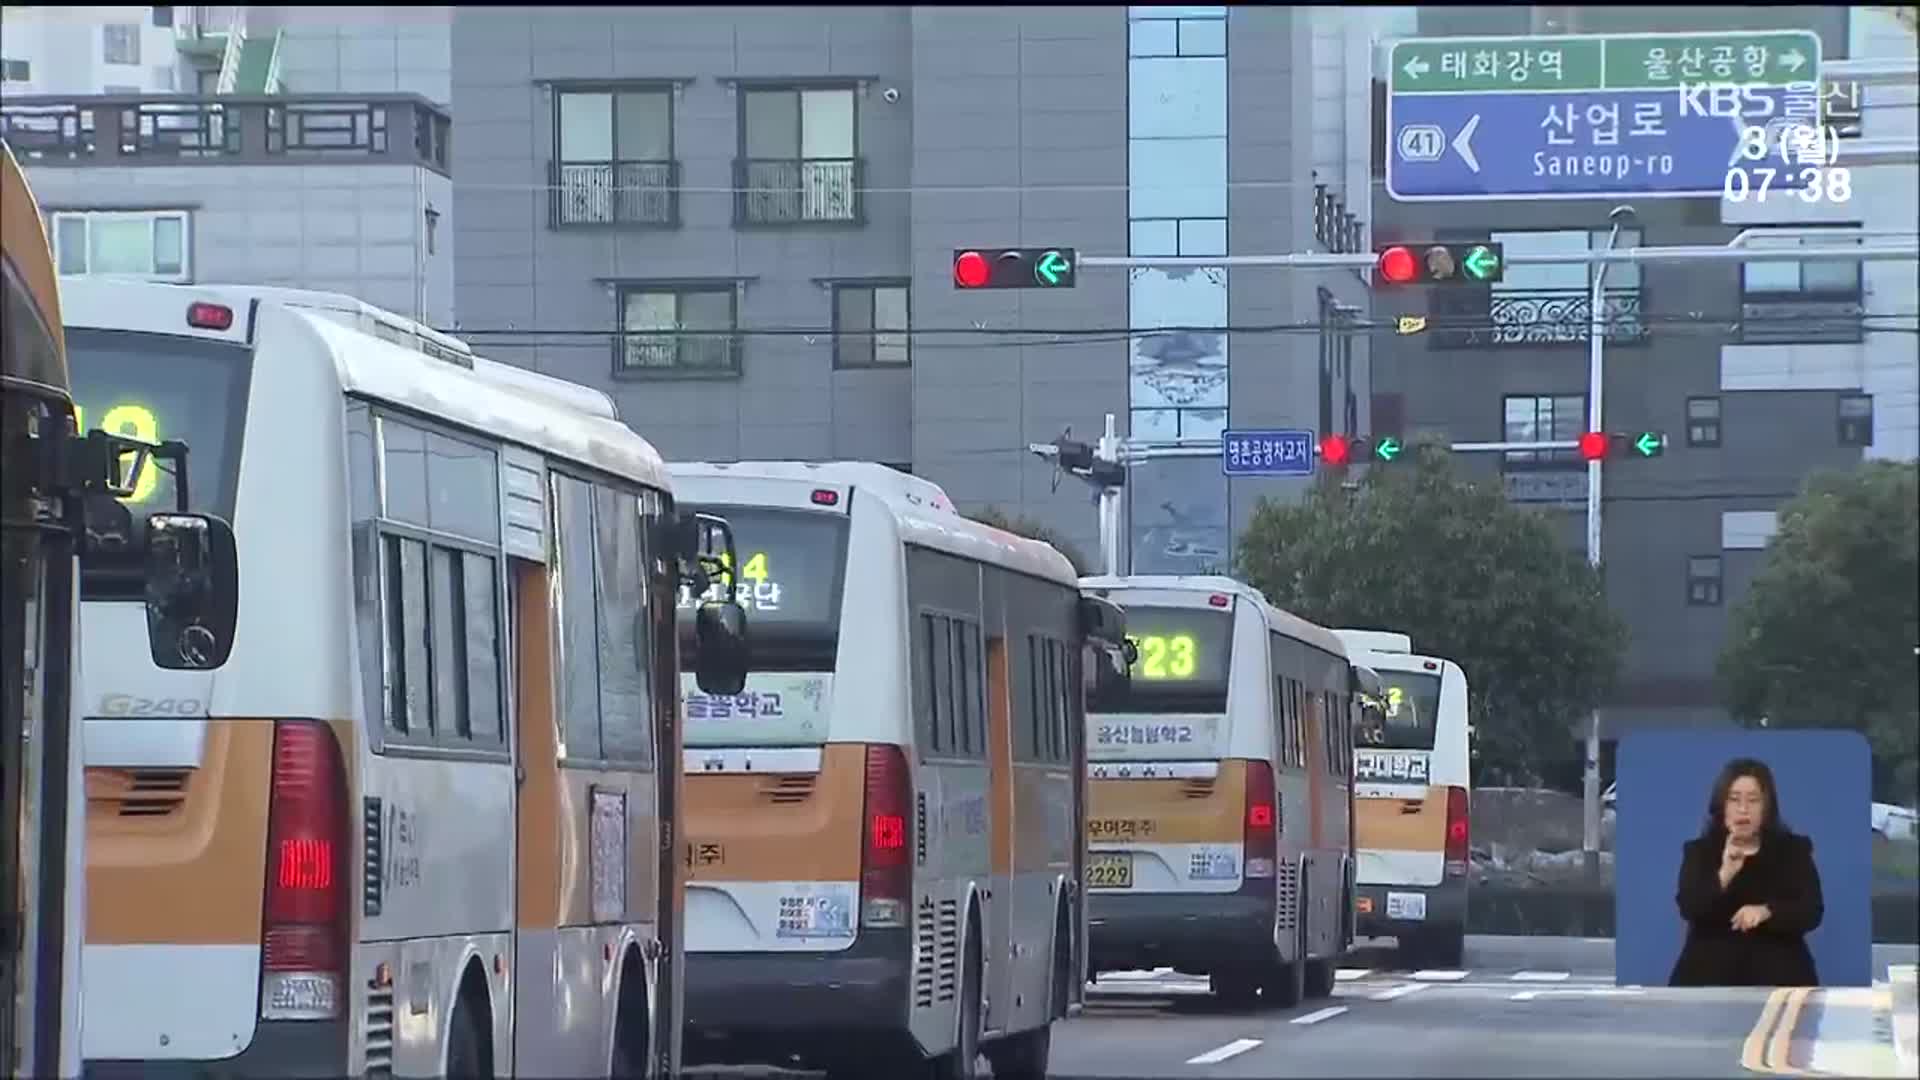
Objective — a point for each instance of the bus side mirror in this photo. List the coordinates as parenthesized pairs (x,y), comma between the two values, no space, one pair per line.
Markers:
(1102,619)
(192,590)
(720,628)
(1130,653)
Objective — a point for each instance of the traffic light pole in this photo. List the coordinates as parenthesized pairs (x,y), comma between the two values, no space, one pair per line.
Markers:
(1596,390)
(1110,501)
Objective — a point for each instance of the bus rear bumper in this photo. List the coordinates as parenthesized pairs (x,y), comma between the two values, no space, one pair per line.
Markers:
(1186,931)
(762,1007)
(1446,910)
(280,1049)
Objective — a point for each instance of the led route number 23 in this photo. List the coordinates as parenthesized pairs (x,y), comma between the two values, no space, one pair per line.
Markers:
(1164,656)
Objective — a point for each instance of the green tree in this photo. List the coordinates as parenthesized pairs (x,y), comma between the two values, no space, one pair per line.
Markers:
(1469,576)
(1033,530)
(1825,637)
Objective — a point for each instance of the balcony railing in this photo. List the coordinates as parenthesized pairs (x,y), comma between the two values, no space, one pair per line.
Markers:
(590,193)
(811,191)
(1809,320)
(669,356)
(1473,319)
(186,129)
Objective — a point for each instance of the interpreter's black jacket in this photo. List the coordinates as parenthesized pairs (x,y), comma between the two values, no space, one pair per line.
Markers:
(1780,875)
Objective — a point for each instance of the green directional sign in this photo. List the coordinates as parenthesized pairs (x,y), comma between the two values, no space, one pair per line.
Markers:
(1604,62)
(1482,263)
(1387,448)
(1052,268)
(1651,444)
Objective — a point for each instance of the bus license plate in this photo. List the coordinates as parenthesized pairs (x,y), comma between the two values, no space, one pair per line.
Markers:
(1110,870)
(1406,905)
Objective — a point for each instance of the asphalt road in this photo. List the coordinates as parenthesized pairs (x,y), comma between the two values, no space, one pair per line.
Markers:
(1517,1006)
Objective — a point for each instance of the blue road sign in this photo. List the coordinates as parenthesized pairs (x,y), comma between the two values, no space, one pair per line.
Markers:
(1542,146)
(1282,452)
(1583,117)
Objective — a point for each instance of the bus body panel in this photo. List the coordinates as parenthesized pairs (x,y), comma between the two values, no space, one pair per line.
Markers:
(994,829)
(431,863)
(767,830)
(1401,793)
(1168,795)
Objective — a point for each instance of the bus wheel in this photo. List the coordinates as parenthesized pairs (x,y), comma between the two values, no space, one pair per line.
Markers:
(1287,983)
(1235,987)
(1320,978)
(466,1042)
(1443,948)
(963,1061)
(630,1022)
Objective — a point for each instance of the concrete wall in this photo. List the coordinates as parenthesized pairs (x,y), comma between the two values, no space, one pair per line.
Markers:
(356,229)
(366,50)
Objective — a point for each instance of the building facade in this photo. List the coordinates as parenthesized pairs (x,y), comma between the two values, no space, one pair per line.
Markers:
(1758,375)
(307,148)
(742,224)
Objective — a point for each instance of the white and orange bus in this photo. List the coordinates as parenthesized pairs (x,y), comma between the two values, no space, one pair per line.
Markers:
(1414,800)
(419,823)
(1221,802)
(187,575)
(883,831)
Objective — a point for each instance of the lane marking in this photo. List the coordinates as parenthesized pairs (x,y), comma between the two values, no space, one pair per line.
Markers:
(1753,1051)
(1350,974)
(1525,995)
(1779,1054)
(1593,991)
(1541,976)
(1399,991)
(1222,1053)
(1318,1015)
(1439,976)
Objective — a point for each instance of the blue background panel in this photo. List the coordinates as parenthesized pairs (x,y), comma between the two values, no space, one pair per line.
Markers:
(1664,778)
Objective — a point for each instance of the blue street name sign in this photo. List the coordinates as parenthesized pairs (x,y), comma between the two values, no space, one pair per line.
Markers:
(1613,116)
(1283,452)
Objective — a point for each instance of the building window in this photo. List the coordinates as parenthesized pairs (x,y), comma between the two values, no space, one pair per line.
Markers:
(613,158)
(799,160)
(1543,418)
(163,16)
(1703,421)
(16,71)
(120,43)
(151,245)
(1856,420)
(678,331)
(870,326)
(1801,302)
(1703,580)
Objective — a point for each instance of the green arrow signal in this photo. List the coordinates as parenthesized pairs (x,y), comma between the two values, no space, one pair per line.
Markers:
(1482,263)
(1387,448)
(1050,267)
(1650,443)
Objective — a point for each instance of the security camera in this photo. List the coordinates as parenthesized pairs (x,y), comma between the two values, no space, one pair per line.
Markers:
(891,94)
(1621,214)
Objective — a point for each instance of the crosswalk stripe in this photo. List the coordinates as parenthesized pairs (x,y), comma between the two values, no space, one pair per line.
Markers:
(1350,974)
(1399,991)
(1430,975)
(1541,976)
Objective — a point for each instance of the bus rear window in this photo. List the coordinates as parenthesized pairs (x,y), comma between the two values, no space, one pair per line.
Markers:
(1185,655)
(1408,716)
(159,387)
(792,567)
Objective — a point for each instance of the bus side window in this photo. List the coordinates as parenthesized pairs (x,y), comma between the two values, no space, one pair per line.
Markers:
(626,696)
(939,684)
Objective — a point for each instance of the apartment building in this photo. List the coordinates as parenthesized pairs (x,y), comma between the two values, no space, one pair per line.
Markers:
(1758,374)
(304,147)
(740,222)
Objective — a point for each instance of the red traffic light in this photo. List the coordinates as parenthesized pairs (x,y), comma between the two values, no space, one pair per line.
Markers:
(970,270)
(1335,449)
(1398,266)
(1594,445)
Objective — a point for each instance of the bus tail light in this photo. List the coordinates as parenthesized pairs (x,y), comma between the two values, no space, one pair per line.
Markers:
(1456,830)
(886,855)
(1262,821)
(303,951)
(204,316)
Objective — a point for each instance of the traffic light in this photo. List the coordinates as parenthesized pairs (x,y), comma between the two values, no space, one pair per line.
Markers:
(1014,268)
(1340,450)
(1441,264)
(1600,445)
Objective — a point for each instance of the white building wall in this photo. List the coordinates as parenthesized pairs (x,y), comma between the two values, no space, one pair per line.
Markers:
(65,50)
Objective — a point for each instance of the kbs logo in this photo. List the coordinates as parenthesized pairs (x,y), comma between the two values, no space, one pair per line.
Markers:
(1726,99)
